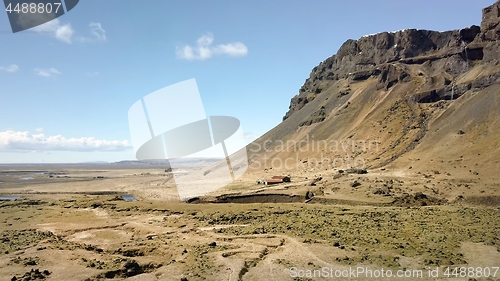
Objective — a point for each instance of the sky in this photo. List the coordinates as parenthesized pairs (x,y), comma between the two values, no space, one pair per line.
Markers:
(66,86)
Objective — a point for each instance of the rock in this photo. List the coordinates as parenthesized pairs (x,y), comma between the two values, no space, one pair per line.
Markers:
(356,171)
(382,191)
(33,274)
(132,268)
(491,51)
(315,117)
(314,181)
(490,32)
(468,34)
(490,25)
(419,196)
(309,195)
(355,184)
(96,205)
(391,74)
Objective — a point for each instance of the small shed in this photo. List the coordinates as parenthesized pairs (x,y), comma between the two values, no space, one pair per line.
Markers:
(273,181)
(282,178)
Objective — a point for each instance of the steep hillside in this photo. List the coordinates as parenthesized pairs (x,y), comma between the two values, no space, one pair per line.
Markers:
(411,103)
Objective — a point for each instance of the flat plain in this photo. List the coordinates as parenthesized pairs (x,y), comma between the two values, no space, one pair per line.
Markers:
(70,222)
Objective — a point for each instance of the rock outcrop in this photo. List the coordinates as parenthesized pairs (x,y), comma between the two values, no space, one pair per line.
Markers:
(490,32)
(375,55)
(490,25)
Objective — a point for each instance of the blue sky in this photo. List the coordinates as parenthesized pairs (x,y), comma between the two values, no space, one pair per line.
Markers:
(66,87)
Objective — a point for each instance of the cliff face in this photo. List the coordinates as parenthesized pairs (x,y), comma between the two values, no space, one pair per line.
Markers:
(490,26)
(419,98)
(490,32)
(375,55)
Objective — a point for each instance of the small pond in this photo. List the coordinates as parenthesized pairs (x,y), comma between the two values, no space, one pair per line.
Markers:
(128,197)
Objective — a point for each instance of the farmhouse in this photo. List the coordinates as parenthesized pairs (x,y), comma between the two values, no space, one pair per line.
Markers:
(282,178)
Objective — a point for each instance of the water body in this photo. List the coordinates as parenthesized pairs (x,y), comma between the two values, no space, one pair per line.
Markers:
(9,197)
(26,178)
(128,197)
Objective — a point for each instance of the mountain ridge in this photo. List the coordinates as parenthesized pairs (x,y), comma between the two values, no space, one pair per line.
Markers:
(429,100)
(361,58)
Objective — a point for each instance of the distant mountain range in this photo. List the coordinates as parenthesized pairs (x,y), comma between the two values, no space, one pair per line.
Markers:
(165,162)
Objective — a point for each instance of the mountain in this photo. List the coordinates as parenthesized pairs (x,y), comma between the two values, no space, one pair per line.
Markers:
(411,103)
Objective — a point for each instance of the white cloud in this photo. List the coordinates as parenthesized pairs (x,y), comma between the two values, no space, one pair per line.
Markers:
(39,130)
(47,72)
(206,40)
(65,32)
(205,49)
(237,49)
(98,31)
(54,28)
(11,68)
(12,141)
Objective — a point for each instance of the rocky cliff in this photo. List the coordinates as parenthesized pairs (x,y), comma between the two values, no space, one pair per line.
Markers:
(384,55)
(412,102)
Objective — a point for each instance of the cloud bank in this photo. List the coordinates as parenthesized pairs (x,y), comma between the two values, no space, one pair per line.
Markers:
(12,141)
(205,49)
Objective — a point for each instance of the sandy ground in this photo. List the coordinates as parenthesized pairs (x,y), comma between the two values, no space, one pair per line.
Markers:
(75,226)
